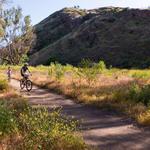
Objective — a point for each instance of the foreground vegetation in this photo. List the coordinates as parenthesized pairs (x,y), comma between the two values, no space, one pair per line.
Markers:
(125,90)
(23,127)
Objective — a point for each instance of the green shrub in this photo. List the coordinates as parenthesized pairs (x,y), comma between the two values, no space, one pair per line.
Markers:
(51,71)
(144,95)
(140,94)
(24,59)
(8,123)
(16,105)
(56,70)
(59,71)
(48,131)
(3,85)
(85,63)
(100,66)
(90,74)
(37,128)
(134,92)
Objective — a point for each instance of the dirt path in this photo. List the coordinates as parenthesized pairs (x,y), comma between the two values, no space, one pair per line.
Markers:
(106,130)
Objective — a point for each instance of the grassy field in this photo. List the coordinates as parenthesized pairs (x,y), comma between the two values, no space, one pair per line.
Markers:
(125,90)
(21,128)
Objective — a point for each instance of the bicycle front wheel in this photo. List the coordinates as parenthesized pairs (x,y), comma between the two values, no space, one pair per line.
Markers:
(28,85)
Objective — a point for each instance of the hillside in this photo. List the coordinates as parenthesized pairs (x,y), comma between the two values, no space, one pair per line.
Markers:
(119,36)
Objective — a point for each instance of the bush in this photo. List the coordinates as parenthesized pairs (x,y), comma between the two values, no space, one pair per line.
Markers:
(10,109)
(140,94)
(144,95)
(3,85)
(56,70)
(100,66)
(48,131)
(144,118)
(16,105)
(24,59)
(36,128)
(134,92)
(7,122)
(90,74)
(85,63)
(59,71)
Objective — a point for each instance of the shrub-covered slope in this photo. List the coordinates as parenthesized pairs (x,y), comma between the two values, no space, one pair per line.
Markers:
(119,36)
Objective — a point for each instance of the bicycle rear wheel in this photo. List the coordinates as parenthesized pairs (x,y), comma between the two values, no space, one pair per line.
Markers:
(28,85)
(22,84)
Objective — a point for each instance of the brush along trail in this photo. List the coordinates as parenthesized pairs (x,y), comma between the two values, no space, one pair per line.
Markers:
(107,130)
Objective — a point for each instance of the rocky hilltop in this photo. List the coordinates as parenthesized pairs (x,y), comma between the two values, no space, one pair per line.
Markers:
(119,36)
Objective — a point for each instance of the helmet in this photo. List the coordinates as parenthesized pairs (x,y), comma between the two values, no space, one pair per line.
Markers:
(26,64)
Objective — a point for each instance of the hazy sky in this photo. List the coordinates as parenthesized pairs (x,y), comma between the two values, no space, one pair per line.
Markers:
(39,9)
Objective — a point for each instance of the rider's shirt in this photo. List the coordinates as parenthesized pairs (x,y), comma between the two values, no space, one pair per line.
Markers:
(23,70)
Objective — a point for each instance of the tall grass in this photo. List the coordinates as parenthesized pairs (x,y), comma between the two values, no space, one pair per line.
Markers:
(125,90)
(96,85)
(3,85)
(22,127)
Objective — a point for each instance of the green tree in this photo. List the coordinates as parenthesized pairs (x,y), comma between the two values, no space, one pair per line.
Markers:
(18,36)
(2,22)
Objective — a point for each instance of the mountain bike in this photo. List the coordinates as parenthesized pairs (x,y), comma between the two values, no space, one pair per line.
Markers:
(26,83)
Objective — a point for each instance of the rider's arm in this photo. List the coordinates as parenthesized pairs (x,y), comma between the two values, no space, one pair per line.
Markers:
(29,70)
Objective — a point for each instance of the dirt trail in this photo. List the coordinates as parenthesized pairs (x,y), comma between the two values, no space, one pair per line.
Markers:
(104,129)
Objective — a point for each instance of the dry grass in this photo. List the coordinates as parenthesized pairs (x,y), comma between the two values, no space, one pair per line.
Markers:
(21,128)
(111,89)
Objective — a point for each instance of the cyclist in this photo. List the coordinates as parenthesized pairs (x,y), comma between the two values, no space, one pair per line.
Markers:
(25,82)
(25,71)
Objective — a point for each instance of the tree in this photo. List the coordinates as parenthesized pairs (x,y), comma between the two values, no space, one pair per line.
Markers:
(2,22)
(18,36)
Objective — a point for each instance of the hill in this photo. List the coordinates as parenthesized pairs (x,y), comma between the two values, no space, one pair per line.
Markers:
(119,36)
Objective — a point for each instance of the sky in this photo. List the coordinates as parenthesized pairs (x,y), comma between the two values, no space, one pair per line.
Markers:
(40,9)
